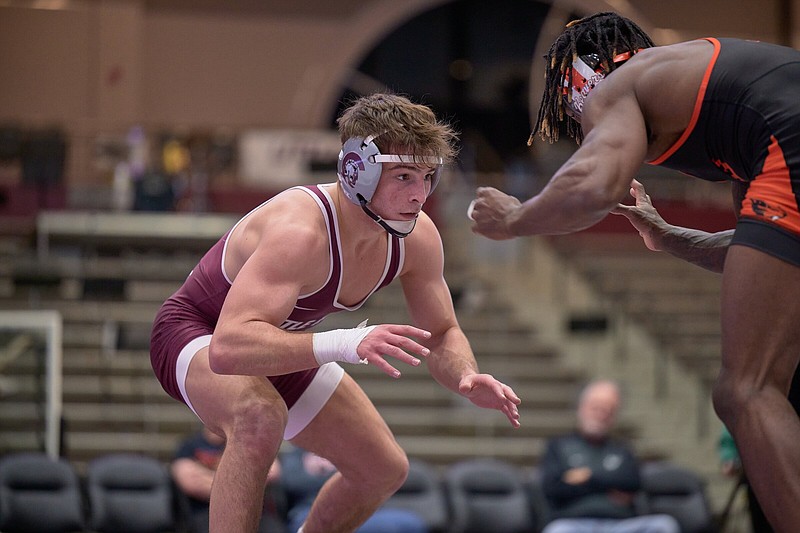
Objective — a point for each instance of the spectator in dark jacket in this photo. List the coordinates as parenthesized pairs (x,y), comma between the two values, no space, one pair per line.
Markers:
(590,479)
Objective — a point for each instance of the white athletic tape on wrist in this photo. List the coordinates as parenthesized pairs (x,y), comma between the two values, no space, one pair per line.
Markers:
(340,344)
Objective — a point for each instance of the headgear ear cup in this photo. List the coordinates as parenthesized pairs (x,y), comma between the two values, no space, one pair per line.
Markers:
(359,168)
(359,172)
(361,162)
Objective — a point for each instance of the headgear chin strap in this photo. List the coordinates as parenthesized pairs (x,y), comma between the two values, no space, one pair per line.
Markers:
(398,228)
(359,169)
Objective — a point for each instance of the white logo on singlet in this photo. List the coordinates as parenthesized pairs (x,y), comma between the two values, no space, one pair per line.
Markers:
(296,325)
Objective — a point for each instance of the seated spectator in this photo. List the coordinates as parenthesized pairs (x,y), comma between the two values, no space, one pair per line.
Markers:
(302,475)
(590,479)
(193,469)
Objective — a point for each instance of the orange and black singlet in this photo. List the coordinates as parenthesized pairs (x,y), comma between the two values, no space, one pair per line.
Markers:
(746,127)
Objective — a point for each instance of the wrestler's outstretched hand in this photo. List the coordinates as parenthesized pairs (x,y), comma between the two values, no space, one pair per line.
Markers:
(393,340)
(490,210)
(644,217)
(485,391)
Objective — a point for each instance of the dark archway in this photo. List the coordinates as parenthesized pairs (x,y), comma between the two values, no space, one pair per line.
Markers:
(471,61)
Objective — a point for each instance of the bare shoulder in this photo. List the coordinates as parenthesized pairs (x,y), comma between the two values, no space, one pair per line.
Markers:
(290,226)
(294,220)
(673,62)
(661,68)
(662,82)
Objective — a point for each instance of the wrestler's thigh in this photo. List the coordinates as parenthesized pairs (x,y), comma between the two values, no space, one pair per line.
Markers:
(220,400)
(760,317)
(348,430)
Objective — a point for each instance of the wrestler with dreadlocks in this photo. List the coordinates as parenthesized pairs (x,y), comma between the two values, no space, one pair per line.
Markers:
(720,110)
(579,53)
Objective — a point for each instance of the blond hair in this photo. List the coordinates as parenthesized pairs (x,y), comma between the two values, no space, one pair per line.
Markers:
(398,123)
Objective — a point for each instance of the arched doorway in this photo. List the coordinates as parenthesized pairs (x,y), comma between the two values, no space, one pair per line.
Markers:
(477,64)
(470,60)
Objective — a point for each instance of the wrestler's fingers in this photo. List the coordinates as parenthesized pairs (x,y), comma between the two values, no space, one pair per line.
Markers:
(405,330)
(409,345)
(401,355)
(621,209)
(511,395)
(384,366)
(483,191)
(514,419)
(638,192)
(395,338)
(512,413)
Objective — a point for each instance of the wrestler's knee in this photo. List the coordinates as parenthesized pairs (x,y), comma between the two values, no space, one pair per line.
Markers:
(726,396)
(258,421)
(384,471)
(396,469)
(737,393)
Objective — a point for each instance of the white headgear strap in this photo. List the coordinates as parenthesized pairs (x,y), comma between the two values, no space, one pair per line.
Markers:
(359,169)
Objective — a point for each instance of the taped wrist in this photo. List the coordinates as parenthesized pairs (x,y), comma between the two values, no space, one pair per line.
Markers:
(340,344)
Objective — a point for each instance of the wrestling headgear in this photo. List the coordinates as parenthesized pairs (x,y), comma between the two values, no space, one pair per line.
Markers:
(586,72)
(359,169)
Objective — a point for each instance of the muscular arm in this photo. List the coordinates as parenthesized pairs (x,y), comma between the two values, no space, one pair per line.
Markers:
(431,307)
(588,186)
(704,249)
(247,339)
(451,361)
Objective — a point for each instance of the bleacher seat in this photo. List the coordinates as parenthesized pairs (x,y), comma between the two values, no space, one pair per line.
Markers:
(679,492)
(423,494)
(130,493)
(39,495)
(487,496)
(539,505)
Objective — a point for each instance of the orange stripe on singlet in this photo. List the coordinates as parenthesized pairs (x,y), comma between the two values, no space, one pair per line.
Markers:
(769,196)
(698,104)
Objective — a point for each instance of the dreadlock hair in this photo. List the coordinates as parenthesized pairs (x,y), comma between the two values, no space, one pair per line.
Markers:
(605,34)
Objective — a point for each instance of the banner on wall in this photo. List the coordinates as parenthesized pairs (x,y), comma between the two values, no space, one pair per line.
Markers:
(277,159)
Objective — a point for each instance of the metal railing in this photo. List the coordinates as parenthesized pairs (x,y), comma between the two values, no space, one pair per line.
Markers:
(50,324)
